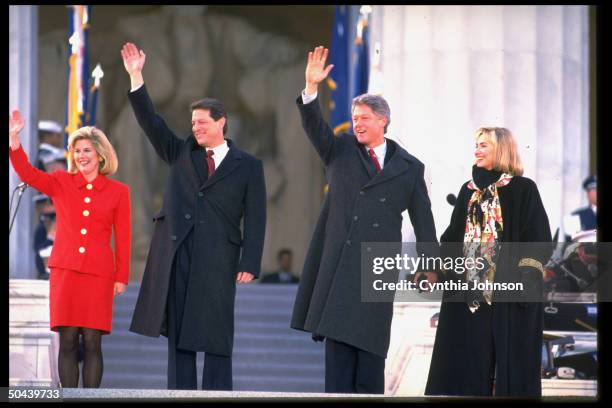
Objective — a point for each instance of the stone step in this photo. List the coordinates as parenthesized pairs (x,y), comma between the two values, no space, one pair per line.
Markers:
(273,328)
(163,395)
(279,384)
(241,317)
(158,366)
(255,310)
(250,355)
(255,290)
(249,290)
(241,339)
(268,354)
(134,380)
(253,295)
(241,383)
(144,350)
(254,356)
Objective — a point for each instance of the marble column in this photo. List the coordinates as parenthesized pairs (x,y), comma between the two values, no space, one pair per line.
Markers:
(23,30)
(447,70)
(33,348)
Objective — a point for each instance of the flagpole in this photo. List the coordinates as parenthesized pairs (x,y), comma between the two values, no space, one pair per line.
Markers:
(97,75)
(78,79)
(85,18)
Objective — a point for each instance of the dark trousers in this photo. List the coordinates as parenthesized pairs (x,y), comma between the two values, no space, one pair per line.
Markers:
(352,370)
(182,373)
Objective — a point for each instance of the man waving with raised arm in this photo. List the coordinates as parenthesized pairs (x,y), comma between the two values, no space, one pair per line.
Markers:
(372,180)
(198,251)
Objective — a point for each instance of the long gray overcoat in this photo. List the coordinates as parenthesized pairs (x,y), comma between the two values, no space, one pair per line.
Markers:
(360,206)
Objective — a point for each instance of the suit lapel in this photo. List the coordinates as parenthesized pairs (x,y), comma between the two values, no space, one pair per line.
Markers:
(199,164)
(228,165)
(188,163)
(396,163)
(365,160)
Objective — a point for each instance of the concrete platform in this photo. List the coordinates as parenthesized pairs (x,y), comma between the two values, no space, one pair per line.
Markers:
(90,395)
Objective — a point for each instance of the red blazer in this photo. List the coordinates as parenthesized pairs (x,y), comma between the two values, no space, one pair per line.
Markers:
(85,214)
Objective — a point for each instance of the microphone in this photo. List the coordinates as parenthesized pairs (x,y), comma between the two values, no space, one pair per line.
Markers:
(21,187)
(451,199)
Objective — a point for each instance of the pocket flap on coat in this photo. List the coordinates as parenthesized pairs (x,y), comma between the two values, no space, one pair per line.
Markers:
(160,215)
(235,239)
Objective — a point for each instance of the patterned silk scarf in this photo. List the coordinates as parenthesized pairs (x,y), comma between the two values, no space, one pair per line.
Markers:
(483,228)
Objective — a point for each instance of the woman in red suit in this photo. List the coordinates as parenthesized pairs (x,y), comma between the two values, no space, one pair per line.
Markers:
(85,274)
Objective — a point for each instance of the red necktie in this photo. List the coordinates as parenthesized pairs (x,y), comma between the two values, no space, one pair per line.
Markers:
(210,162)
(374,160)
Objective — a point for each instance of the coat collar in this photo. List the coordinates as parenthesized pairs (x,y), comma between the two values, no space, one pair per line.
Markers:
(229,164)
(399,162)
(365,160)
(98,183)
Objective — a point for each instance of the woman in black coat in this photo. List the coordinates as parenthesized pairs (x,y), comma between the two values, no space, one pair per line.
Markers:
(485,347)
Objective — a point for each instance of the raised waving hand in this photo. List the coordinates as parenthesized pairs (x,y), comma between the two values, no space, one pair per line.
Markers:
(133,61)
(16,125)
(315,69)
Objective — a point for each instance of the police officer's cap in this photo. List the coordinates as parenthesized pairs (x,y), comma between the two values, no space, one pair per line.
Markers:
(590,183)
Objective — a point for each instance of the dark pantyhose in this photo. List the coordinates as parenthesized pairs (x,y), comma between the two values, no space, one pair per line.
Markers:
(68,363)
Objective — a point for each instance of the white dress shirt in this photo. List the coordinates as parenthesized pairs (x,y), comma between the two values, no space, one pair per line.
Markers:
(220,153)
(306,99)
(380,151)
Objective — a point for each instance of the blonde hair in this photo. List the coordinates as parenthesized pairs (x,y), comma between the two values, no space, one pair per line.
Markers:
(507,158)
(108,164)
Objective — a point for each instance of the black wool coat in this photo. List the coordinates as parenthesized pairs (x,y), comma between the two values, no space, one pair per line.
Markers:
(459,364)
(212,209)
(360,206)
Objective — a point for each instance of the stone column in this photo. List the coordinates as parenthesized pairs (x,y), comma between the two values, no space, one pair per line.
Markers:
(447,70)
(33,348)
(410,349)
(23,64)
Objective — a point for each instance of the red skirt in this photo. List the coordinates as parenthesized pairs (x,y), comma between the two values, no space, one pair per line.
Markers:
(80,300)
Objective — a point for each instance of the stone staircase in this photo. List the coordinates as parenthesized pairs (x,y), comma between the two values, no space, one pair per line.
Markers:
(270,359)
(268,355)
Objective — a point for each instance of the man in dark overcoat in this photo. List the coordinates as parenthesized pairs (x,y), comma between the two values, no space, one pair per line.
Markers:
(197,252)
(372,180)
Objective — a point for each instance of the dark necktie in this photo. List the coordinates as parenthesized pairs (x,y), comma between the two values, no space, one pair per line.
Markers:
(374,160)
(210,162)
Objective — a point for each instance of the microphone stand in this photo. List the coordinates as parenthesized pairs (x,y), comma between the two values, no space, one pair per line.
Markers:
(21,187)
